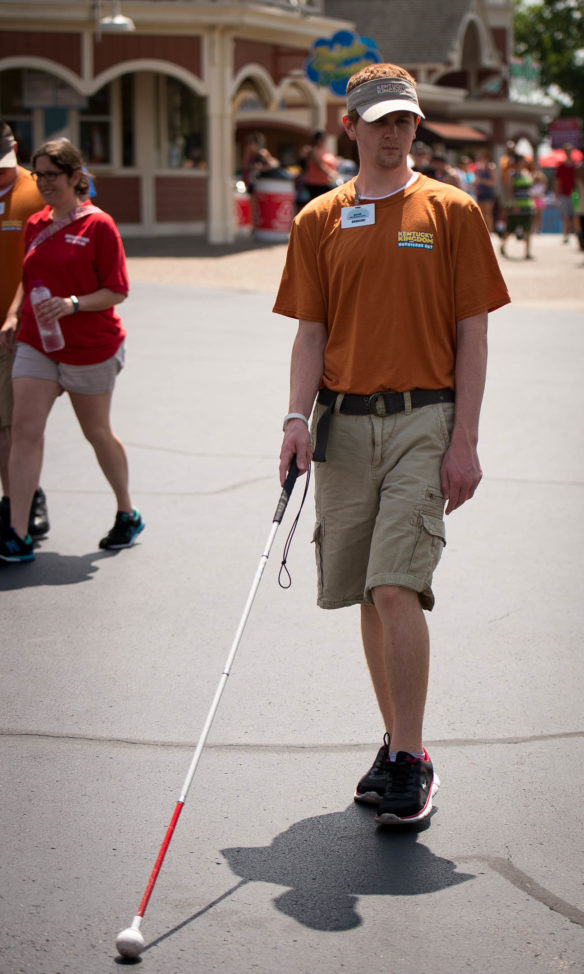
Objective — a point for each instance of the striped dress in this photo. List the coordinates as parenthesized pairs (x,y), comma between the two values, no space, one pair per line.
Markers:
(521,186)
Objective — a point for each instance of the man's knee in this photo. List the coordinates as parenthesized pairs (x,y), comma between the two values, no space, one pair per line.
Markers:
(392,599)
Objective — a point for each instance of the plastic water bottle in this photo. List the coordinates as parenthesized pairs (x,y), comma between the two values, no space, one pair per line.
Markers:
(50,331)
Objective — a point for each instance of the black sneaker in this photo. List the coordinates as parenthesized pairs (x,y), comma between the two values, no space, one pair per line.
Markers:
(13,548)
(38,520)
(372,785)
(408,797)
(126,529)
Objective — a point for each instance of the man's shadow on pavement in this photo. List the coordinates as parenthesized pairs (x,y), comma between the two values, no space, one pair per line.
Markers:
(329,861)
(50,568)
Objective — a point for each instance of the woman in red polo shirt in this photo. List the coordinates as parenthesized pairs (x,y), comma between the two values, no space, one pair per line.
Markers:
(74,249)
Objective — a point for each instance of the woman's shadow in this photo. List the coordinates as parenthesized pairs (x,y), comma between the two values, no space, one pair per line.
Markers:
(329,861)
(51,569)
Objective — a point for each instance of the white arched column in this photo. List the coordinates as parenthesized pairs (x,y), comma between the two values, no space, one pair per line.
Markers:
(217,60)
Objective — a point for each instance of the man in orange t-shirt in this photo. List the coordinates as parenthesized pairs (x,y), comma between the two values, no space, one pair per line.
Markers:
(391,278)
(19,199)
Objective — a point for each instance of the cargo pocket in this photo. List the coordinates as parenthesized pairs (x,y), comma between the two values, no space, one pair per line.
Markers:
(430,542)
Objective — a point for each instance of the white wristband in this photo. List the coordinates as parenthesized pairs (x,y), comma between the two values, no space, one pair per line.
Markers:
(295,416)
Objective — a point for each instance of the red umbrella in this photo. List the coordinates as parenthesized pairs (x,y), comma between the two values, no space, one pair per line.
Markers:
(553,159)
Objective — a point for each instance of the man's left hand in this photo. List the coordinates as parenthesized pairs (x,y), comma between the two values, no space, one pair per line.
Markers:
(460,474)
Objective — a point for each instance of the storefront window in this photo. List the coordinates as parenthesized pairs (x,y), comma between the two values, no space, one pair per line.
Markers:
(14,112)
(185,127)
(95,128)
(127,97)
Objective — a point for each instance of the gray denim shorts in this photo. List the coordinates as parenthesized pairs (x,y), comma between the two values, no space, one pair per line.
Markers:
(379,504)
(566,205)
(90,380)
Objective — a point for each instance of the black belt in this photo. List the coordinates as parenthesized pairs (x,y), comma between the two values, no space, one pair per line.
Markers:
(378,404)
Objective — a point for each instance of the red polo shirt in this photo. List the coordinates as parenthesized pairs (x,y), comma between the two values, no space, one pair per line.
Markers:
(566,178)
(79,259)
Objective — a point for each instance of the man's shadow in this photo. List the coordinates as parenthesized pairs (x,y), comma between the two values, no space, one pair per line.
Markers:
(329,861)
(50,568)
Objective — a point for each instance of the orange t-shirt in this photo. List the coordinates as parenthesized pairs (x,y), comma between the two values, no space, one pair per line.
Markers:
(391,293)
(16,206)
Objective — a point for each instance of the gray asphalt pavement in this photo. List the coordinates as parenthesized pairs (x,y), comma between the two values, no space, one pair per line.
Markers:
(110,663)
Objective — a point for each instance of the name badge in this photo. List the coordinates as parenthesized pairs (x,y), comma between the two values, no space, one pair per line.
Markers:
(358,216)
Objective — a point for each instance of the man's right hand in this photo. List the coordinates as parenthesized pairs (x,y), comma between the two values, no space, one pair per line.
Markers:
(296,443)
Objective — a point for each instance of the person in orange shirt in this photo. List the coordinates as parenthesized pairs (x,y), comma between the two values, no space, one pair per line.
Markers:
(391,278)
(19,199)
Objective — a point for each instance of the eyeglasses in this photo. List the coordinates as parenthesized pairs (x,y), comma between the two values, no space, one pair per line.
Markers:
(50,175)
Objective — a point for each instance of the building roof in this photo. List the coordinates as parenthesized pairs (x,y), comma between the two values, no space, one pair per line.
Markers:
(453,132)
(407,32)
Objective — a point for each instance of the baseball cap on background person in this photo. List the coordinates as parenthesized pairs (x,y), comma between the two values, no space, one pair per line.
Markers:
(381,96)
(7,150)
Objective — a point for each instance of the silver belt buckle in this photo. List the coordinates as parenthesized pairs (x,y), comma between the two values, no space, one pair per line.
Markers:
(373,404)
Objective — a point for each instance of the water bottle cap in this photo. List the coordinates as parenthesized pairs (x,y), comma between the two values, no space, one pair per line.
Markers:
(37,283)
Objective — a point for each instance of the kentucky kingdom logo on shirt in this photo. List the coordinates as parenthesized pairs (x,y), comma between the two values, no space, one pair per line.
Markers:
(415,238)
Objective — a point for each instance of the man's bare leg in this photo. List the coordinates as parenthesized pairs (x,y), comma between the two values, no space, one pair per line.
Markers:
(397,649)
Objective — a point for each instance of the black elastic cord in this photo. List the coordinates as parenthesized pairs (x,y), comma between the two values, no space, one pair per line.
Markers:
(285,553)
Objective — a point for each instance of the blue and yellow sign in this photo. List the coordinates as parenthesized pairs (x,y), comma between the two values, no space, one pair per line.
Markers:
(333,60)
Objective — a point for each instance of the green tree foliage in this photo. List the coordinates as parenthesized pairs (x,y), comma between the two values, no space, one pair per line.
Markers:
(552,32)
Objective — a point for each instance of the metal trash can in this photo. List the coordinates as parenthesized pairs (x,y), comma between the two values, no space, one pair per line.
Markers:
(273,205)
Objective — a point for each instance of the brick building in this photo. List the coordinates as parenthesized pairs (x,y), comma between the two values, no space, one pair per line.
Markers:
(161,96)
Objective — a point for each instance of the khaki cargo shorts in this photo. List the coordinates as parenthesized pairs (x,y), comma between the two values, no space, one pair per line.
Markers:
(379,504)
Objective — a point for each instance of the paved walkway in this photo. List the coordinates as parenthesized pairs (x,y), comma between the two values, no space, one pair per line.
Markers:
(555,278)
(110,663)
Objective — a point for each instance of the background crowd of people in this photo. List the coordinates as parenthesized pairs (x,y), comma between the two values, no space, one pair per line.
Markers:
(512,193)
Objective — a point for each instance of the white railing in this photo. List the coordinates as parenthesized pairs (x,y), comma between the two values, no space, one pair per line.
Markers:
(305,6)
